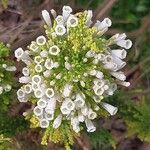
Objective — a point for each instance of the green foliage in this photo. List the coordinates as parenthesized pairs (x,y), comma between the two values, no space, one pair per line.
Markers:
(5,143)
(4,3)
(131,11)
(102,139)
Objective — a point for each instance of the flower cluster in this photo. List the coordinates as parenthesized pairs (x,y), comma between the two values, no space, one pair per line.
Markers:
(69,72)
(5,69)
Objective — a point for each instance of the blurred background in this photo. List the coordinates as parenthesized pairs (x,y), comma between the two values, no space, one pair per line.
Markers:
(20,23)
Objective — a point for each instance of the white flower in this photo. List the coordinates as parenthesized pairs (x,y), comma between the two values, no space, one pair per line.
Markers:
(68,66)
(49,92)
(67,90)
(25,71)
(28,88)
(59,20)
(104,24)
(51,104)
(91,114)
(79,101)
(48,64)
(111,109)
(24,79)
(119,75)
(81,117)
(89,17)
(21,93)
(84,110)
(46,17)
(99,83)
(44,123)
(53,12)
(60,30)
(47,73)
(36,79)
(49,116)
(38,93)
(69,104)
(125,43)
(57,121)
(33,47)
(98,91)
(89,125)
(41,40)
(126,84)
(66,12)
(99,75)
(20,54)
(121,53)
(42,103)
(54,50)
(65,110)
(38,111)
(44,54)
(72,21)
(38,68)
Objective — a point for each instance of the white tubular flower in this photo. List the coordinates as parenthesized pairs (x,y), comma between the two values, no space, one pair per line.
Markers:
(35,86)
(11,68)
(98,91)
(75,124)
(41,40)
(100,57)
(38,68)
(47,73)
(90,54)
(84,110)
(57,121)
(44,54)
(28,88)
(81,117)
(42,103)
(44,123)
(79,101)
(21,93)
(72,21)
(24,79)
(91,114)
(119,62)
(99,83)
(111,109)
(120,53)
(89,17)
(20,54)
(93,72)
(53,12)
(33,47)
(99,75)
(36,79)
(49,92)
(38,93)
(50,108)
(90,126)
(23,99)
(46,17)
(49,116)
(119,75)
(111,66)
(117,37)
(97,99)
(126,84)
(38,111)
(67,10)
(69,104)
(67,90)
(59,20)
(48,64)
(38,59)
(54,50)
(104,24)
(25,71)
(7,87)
(60,30)
(1,89)
(65,110)
(125,43)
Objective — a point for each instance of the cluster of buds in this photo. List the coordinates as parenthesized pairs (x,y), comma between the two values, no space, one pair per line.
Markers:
(5,69)
(69,72)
